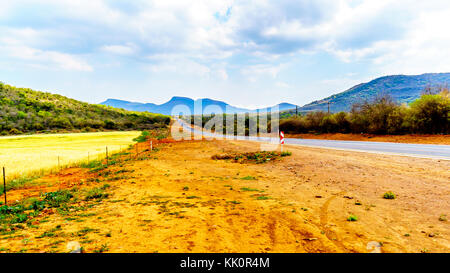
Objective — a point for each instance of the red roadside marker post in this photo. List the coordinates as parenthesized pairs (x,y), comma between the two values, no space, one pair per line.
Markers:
(281,140)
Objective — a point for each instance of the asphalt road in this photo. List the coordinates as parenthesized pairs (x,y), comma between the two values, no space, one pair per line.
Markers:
(414,150)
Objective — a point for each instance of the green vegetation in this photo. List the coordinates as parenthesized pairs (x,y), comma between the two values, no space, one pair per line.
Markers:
(102,249)
(247,119)
(352,218)
(192,197)
(18,183)
(97,193)
(430,114)
(158,134)
(252,157)
(249,189)
(389,195)
(23,110)
(248,178)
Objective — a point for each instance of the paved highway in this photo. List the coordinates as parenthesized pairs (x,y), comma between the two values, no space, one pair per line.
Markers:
(415,150)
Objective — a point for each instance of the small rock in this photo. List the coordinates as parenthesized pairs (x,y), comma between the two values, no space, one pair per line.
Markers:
(73,247)
(431,235)
(318,196)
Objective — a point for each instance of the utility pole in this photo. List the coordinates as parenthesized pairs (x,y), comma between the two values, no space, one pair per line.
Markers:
(296,111)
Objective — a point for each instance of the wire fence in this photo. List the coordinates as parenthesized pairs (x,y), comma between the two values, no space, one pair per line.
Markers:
(139,148)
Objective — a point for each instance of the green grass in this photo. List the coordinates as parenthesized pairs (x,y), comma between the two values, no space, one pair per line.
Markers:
(259,157)
(389,195)
(96,193)
(192,197)
(55,199)
(249,189)
(46,234)
(248,178)
(91,164)
(84,231)
(102,249)
(18,183)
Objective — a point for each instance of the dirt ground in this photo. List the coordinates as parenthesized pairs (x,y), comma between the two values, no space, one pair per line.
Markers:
(418,139)
(178,199)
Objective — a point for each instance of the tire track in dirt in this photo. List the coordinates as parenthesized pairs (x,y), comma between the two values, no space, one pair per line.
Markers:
(331,235)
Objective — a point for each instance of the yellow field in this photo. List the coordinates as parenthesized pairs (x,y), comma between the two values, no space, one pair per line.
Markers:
(24,155)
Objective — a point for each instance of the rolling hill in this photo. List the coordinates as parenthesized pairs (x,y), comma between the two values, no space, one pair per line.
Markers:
(24,110)
(209,106)
(403,89)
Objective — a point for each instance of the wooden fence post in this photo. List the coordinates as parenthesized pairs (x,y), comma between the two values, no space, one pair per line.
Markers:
(4,184)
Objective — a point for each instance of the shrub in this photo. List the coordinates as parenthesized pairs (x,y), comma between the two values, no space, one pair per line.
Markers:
(57,198)
(96,193)
(143,137)
(389,195)
(15,131)
(431,114)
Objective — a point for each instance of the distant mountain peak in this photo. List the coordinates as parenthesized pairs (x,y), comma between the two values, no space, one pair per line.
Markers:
(179,98)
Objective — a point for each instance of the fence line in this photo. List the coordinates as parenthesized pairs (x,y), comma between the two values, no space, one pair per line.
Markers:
(60,166)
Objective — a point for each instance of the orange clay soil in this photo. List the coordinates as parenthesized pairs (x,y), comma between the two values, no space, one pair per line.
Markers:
(419,139)
(178,199)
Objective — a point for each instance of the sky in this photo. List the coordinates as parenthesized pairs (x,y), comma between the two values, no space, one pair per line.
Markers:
(253,53)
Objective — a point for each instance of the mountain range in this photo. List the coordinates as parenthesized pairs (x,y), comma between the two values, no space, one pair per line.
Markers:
(208,105)
(402,88)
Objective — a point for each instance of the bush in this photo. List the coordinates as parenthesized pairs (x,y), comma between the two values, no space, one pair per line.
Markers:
(14,131)
(389,195)
(57,198)
(96,193)
(143,137)
(431,114)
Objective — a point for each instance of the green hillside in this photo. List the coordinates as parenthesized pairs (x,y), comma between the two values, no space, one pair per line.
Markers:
(23,110)
(402,88)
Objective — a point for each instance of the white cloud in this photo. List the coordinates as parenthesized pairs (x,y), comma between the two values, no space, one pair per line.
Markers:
(221,40)
(282,85)
(422,48)
(46,59)
(253,72)
(119,49)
